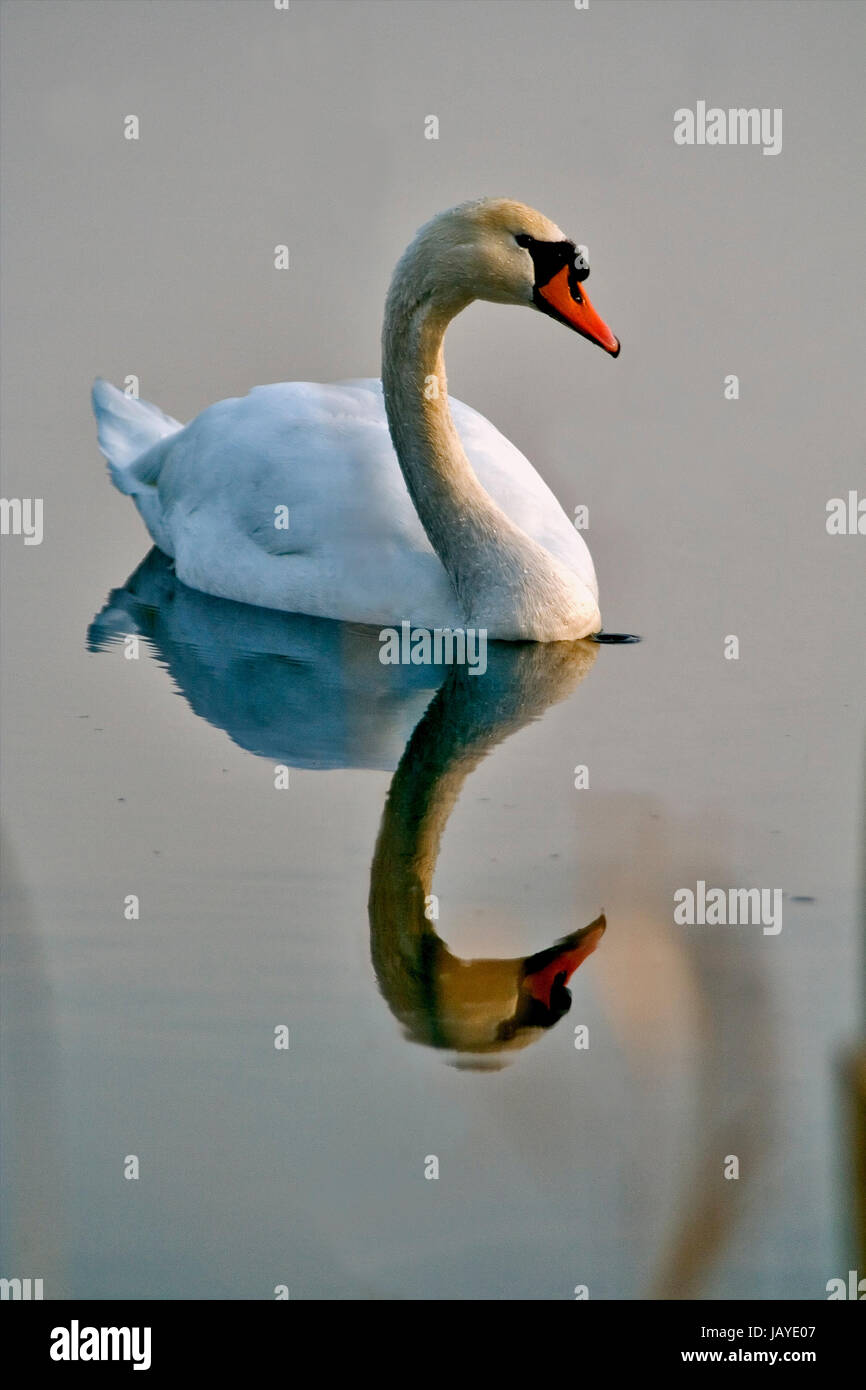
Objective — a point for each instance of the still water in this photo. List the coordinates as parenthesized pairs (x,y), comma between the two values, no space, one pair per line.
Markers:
(404,914)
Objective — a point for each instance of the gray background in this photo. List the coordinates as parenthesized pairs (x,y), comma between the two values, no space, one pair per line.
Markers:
(707,518)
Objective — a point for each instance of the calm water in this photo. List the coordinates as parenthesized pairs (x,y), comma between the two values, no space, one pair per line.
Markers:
(558,1165)
(304,908)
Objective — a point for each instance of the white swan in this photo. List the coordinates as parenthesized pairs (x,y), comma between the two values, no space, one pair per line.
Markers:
(448,526)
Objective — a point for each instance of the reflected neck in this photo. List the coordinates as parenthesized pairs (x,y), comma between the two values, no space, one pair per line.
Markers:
(468,717)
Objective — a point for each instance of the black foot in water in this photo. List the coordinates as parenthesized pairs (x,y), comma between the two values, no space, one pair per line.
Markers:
(613,637)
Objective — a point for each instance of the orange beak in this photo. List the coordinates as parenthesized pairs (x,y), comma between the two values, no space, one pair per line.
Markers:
(540,983)
(570,304)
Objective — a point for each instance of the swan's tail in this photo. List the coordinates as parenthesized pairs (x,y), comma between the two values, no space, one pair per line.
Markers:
(127,429)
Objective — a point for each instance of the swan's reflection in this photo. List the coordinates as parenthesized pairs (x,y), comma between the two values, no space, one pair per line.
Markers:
(308,692)
(481,1007)
(313,693)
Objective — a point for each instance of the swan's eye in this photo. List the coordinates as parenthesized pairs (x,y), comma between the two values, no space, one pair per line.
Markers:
(522,239)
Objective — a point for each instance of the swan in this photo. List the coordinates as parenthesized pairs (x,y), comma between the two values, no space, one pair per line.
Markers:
(379,502)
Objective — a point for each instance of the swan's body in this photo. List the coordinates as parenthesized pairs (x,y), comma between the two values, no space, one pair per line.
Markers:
(347,501)
(354,545)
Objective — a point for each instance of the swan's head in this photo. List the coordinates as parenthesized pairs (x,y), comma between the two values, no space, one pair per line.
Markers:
(483,1010)
(508,253)
(488,1008)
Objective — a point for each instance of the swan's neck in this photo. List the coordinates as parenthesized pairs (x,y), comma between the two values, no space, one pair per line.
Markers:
(503,579)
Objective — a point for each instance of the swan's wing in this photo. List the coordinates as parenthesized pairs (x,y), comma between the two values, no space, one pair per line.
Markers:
(299,484)
(324,452)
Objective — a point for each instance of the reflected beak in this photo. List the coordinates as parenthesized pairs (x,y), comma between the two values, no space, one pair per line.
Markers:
(555,967)
(564,299)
